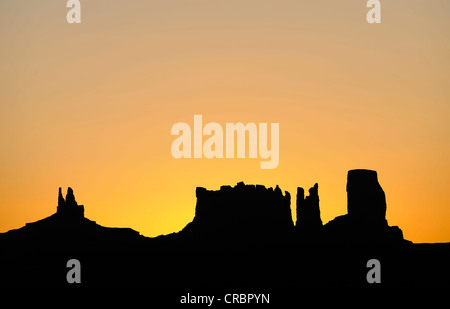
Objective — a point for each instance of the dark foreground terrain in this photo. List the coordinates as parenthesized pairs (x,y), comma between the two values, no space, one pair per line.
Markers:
(242,239)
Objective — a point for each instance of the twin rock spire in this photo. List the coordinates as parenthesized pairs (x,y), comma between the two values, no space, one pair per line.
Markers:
(69,207)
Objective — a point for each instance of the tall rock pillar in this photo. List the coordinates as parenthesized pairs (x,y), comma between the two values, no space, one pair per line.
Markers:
(366,200)
(308,212)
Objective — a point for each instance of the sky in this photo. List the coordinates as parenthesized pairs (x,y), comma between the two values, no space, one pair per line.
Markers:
(91,105)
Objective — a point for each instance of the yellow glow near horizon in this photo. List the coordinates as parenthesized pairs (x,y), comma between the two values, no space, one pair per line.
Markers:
(91,105)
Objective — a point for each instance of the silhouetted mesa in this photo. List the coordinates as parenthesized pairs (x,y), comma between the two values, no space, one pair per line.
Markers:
(366,219)
(241,214)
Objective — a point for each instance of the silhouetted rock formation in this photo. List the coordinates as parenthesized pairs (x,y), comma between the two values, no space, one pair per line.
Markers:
(366,219)
(245,213)
(69,226)
(240,237)
(365,197)
(69,207)
(308,212)
(61,201)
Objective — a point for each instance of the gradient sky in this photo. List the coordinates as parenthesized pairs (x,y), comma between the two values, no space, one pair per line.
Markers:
(91,105)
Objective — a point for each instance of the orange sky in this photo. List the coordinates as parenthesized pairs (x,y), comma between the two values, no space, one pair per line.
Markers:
(91,105)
